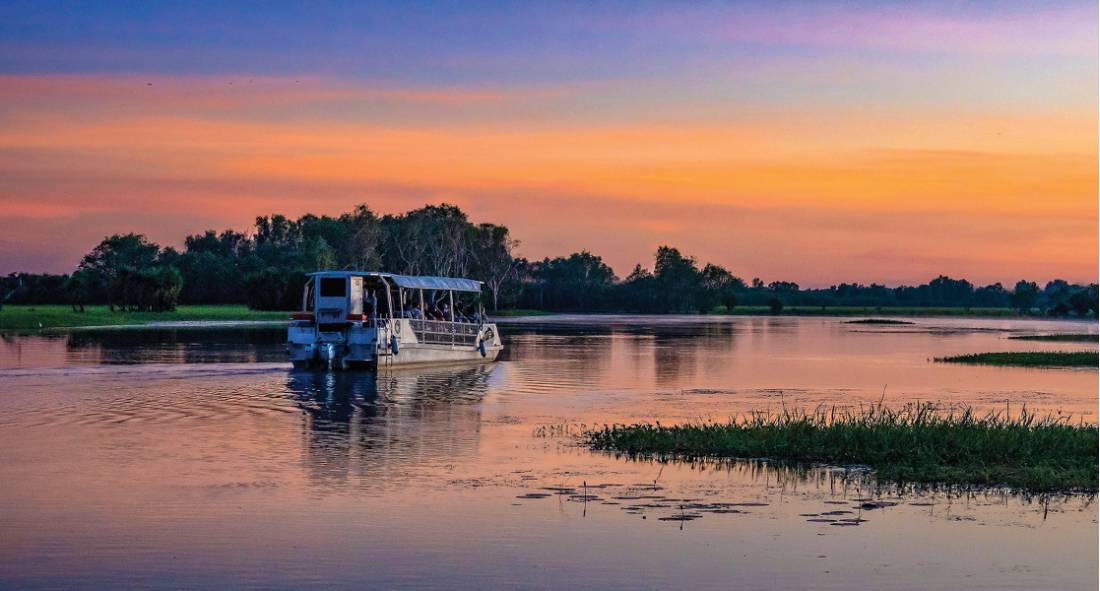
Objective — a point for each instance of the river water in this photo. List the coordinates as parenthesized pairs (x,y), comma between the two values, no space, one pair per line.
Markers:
(196,459)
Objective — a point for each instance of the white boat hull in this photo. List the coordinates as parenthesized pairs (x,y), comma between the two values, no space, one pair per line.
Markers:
(436,355)
(392,343)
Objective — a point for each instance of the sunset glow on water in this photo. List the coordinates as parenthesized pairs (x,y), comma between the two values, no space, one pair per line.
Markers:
(207,460)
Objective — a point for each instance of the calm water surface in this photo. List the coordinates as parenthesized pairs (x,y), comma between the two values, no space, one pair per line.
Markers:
(196,459)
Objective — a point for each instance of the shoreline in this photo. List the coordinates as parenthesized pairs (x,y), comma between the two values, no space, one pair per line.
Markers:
(60,318)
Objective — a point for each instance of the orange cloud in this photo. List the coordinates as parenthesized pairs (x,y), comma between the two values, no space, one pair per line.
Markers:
(833,192)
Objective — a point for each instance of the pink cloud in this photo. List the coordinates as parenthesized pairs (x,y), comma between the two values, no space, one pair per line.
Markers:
(907,27)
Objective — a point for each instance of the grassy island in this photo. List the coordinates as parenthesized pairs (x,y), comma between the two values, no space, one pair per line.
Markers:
(1028,359)
(918,444)
(1057,338)
(885,321)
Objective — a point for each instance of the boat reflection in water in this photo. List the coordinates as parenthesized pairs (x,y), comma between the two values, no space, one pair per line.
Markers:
(364,429)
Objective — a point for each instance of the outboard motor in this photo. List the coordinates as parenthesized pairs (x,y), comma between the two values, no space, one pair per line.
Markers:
(328,354)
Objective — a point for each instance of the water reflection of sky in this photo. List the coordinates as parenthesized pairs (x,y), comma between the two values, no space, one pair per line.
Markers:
(195,459)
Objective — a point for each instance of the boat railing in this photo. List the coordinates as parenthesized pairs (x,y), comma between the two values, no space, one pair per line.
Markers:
(442,332)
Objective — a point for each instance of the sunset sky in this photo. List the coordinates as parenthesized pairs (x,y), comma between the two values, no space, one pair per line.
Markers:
(815,142)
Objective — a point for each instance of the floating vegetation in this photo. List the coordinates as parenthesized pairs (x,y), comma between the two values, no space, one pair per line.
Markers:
(683,517)
(1058,338)
(560,430)
(1028,359)
(879,321)
(919,443)
(561,490)
(534,496)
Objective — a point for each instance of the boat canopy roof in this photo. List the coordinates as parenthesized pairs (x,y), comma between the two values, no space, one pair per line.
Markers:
(411,281)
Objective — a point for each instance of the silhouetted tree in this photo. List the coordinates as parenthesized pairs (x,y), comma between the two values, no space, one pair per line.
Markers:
(1025,295)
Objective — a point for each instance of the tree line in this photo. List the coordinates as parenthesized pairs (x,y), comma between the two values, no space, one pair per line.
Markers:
(266,269)
(678,283)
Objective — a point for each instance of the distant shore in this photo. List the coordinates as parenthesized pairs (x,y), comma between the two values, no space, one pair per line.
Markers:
(852,311)
(31,318)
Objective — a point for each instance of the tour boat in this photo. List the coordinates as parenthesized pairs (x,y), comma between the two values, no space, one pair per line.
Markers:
(375,320)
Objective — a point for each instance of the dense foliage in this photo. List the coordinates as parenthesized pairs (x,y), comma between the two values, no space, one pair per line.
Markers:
(266,268)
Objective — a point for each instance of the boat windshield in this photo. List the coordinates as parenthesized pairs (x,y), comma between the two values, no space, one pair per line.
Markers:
(333,287)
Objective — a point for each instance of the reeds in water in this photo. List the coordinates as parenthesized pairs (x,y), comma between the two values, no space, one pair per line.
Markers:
(920,442)
(1028,358)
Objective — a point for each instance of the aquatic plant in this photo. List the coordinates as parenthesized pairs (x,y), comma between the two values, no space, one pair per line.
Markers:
(1028,358)
(1059,338)
(916,443)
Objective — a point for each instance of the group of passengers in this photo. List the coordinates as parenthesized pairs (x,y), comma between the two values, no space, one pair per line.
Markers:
(440,311)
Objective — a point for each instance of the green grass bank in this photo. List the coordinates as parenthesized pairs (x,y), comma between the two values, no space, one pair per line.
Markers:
(1028,359)
(917,444)
(34,318)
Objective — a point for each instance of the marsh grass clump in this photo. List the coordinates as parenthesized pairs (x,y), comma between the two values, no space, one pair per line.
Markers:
(919,443)
(1057,338)
(1028,359)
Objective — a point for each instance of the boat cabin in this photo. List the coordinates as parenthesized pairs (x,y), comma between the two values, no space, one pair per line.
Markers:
(334,299)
